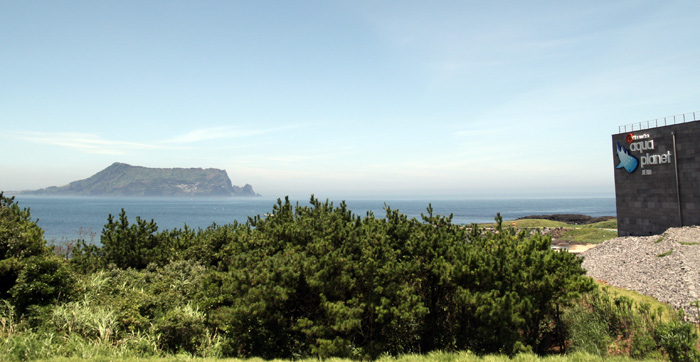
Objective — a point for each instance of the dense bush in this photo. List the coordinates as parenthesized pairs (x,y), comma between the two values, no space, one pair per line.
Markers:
(319,280)
(312,280)
(43,280)
(181,329)
(131,245)
(29,273)
(20,239)
(679,341)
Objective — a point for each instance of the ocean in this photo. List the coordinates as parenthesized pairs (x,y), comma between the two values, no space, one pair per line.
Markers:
(69,218)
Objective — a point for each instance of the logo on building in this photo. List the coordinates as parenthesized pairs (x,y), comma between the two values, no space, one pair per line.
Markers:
(627,161)
(631,137)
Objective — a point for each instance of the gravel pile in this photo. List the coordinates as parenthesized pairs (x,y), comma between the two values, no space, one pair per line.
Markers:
(644,264)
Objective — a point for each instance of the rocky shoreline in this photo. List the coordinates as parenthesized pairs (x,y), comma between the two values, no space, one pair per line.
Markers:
(666,267)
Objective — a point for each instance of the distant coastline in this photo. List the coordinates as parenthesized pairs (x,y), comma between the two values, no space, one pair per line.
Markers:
(62,217)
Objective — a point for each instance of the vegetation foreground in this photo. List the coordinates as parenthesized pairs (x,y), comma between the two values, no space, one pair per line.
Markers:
(315,282)
(430,357)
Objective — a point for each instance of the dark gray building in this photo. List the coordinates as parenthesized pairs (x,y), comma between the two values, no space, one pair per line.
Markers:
(657,175)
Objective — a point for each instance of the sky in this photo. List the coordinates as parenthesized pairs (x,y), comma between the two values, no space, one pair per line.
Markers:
(436,99)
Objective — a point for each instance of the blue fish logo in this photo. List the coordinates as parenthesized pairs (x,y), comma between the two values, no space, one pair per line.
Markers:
(627,161)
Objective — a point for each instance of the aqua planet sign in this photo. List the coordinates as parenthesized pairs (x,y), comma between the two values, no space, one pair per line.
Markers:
(645,146)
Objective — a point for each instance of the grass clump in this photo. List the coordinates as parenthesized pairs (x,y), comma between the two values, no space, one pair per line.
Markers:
(592,233)
(666,312)
(665,253)
(537,223)
(608,224)
(529,224)
(588,235)
(605,323)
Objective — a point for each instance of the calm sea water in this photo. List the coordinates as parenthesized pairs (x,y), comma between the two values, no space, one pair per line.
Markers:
(65,218)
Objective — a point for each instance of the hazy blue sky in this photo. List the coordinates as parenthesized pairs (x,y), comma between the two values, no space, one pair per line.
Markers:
(342,98)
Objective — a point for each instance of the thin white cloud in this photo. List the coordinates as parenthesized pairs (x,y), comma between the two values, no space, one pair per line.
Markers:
(207,134)
(96,144)
(86,142)
(299,158)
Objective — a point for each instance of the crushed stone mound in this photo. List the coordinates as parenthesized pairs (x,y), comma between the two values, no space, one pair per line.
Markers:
(666,267)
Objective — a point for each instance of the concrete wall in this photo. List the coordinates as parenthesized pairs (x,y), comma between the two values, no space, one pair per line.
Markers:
(648,196)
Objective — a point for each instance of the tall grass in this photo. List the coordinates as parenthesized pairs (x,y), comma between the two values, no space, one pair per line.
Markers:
(89,321)
(431,357)
(8,319)
(606,324)
(46,345)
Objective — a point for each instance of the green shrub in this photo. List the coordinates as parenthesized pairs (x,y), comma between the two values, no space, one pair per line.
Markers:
(643,345)
(587,332)
(181,329)
(20,239)
(87,258)
(43,280)
(27,346)
(679,341)
(321,281)
(133,245)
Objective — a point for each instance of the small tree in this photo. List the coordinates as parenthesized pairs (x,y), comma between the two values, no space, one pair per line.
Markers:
(20,238)
(129,245)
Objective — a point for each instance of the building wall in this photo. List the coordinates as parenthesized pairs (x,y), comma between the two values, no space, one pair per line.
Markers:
(648,197)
